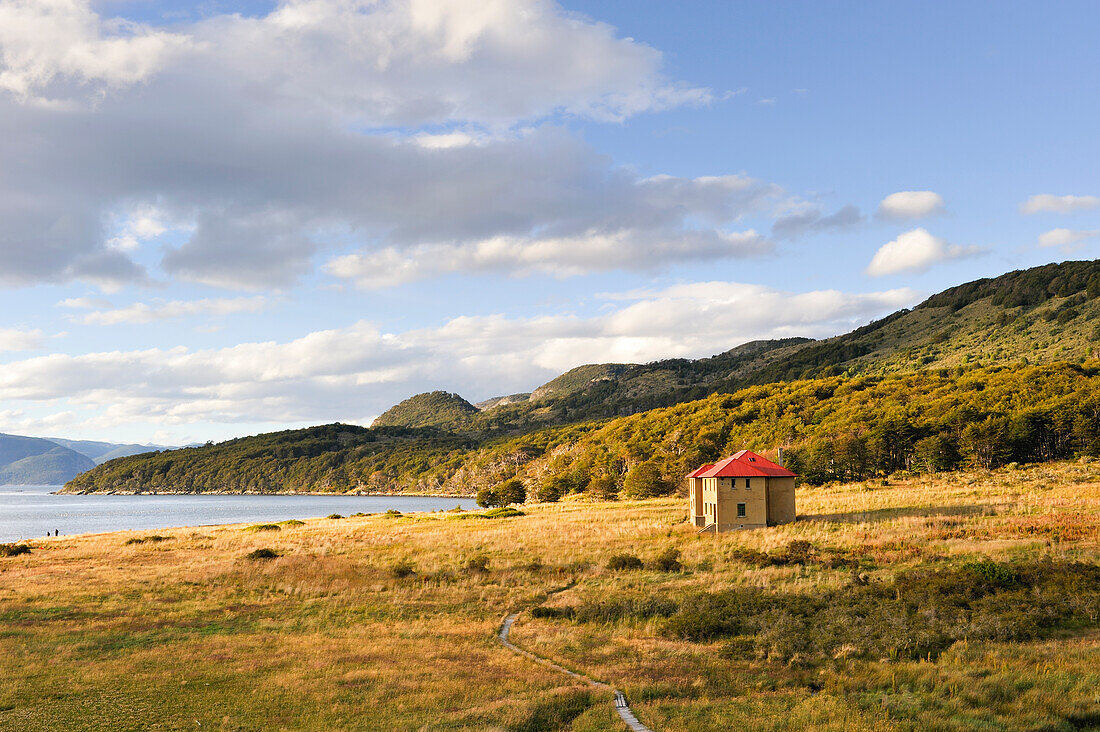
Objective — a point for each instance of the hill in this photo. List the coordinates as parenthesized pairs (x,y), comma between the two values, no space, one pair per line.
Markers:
(37,461)
(430,409)
(985,373)
(101,452)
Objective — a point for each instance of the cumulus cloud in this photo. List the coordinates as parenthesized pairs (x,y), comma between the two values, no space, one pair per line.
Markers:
(380,62)
(252,141)
(1047,203)
(1068,239)
(560,256)
(140,312)
(910,205)
(810,219)
(915,251)
(55,45)
(14,339)
(355,372)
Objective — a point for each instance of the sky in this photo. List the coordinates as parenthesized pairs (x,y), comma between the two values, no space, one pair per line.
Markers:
(223,218)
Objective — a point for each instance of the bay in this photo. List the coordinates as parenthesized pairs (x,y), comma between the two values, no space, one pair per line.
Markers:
(28,512)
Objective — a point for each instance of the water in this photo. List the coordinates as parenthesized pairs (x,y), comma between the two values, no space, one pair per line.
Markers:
(29,511)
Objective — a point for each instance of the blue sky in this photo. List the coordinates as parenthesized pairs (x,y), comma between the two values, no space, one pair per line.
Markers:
(222,218)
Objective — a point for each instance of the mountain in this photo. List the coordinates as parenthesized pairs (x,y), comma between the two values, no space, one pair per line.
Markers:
(1031,332)
(37,461)
(101,452)
(430,409)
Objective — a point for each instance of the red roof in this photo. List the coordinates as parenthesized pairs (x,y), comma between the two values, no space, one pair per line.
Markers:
(698,473)
(744,464)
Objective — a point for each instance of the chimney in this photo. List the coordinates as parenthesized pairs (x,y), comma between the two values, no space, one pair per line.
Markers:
(780,459)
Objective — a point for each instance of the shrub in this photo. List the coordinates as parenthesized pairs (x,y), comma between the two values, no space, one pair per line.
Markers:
(556,712)
(151,539)
(334,516)
(292,522)
(14,550)
(668,561)
(263,527)
(392,513)
(402,569)
(502,512)
(262,553)
(619,562)
(477,564)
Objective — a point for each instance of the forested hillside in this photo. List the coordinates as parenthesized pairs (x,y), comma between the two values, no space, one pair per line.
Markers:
(835,427)
(990,372)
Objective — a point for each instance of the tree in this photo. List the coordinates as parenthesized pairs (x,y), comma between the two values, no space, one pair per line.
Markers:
(488,498)
(645,481)
(511,491)
(936,453)
(604,487)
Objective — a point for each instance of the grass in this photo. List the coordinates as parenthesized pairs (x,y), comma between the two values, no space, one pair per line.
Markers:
(151,539)
(390,624)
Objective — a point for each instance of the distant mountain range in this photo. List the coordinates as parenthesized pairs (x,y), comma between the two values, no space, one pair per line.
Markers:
(438,441)
(54,460)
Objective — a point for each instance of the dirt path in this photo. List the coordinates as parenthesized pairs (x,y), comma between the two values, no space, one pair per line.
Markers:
(621,706)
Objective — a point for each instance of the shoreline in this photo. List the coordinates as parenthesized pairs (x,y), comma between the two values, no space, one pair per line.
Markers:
(349,494)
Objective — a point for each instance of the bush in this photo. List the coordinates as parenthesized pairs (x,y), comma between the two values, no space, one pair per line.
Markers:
(478,563)
(334,516)
(502,512)
(261,554)
(14,550)
(668,561)
(619,562)
(292,522)
(263,527)
(151,539)
(392,513)
(402,569)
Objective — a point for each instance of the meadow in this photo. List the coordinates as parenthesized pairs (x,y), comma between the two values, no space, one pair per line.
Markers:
(974,594)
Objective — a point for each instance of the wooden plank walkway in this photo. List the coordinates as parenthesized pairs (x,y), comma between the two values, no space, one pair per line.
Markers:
(621,706)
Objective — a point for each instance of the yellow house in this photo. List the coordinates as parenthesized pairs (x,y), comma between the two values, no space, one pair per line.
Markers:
(745,491)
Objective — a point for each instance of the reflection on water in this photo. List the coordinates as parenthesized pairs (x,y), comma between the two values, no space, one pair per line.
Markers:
(28,512)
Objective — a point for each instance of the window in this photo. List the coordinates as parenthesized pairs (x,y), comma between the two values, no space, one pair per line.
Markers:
(748,484)
(740,510)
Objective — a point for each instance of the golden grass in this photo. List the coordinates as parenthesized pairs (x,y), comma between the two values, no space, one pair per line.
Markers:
(96,633)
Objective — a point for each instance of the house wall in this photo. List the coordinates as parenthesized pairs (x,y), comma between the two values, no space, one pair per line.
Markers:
(781,509)
(732,491)
(695,501)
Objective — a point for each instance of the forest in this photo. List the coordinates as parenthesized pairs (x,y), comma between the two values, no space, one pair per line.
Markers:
(834,428)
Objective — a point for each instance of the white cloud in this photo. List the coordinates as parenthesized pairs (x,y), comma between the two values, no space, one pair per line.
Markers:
(49,43)
(14,339)
(1068,239)
(260,134)
(1046,202)
(141,312)
(381,62)
(915,251)
(83,303)
(561,256)
(910,205)
(358,371)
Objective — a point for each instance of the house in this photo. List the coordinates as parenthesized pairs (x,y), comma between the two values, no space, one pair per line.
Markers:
(745,491)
